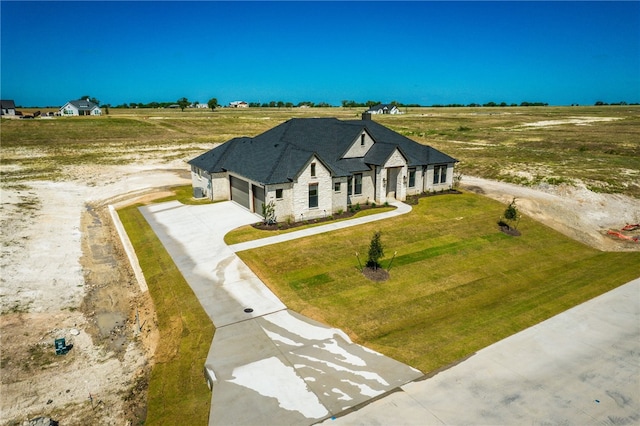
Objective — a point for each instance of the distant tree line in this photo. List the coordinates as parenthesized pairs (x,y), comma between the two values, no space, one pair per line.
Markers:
(183,103)
(600,103)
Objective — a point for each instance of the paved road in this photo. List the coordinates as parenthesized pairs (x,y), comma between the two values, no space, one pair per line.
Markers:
(269,365)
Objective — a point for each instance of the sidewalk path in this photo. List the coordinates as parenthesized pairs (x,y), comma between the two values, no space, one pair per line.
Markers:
(401,208)
(267,365)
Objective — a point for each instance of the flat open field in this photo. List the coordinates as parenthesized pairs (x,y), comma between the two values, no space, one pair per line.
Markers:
(595,146)
(64,270)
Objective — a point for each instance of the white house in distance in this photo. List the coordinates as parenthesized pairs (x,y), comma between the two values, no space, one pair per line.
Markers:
(7,107)
(384,109)
(80,107)
(238,104)
(313,167)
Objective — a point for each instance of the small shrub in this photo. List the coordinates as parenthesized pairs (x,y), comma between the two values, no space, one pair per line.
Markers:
(357,206)
(340,211)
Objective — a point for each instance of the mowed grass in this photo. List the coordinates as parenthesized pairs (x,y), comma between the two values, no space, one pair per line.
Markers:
(457,283)
(177,392)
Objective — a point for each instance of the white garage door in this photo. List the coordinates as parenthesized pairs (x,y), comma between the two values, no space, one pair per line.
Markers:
(240,191)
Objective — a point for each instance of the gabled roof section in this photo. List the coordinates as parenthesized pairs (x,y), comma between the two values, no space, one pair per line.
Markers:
(7,104)
(279,154)
(83,105)
(213,161)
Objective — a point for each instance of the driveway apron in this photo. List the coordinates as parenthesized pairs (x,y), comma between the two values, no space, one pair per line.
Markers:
(267,364)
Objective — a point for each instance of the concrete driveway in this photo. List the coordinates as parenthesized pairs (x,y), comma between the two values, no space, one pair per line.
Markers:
(269,365)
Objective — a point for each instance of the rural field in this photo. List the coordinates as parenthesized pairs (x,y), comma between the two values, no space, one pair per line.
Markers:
(457,283)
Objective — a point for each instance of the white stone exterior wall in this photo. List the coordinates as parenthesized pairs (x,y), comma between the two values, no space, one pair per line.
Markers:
(339,201)
(214,186)
(429,185)
(301,192)
(357,150)
(397,160)
(417,188)
(284,205)
(368,189)
(201,179)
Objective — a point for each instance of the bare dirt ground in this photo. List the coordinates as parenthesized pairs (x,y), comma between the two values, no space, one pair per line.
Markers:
(576,212)
(64,274)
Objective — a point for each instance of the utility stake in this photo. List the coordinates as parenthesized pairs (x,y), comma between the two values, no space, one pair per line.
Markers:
(359,264)
(391,261)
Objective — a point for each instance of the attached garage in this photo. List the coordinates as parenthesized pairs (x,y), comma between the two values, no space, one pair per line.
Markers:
(240,191)
(258,199)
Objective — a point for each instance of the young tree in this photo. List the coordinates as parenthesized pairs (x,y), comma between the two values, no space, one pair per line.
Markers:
(213,103)
(511,213)
(183,103)
(376,251)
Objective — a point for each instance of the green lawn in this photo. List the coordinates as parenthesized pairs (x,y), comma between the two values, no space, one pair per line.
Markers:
(178,393)
(457,283)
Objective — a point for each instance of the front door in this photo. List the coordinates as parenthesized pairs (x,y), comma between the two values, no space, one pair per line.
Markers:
(392,181)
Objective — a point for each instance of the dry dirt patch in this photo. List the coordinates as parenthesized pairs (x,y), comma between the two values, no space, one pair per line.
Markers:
(64,274)
(577,212)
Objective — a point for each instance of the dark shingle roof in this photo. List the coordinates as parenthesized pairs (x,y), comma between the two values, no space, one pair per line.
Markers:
(7,104)
(279,154)
(83,105)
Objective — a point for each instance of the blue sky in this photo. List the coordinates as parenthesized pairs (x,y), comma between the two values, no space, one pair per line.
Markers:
(411,52)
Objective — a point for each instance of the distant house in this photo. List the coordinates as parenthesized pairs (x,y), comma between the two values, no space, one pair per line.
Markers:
(80,107)
(384,109)
(238,104)
(314,167)
(8,107)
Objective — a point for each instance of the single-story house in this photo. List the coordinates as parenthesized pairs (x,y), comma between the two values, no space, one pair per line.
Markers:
(8,107)
(238,104)
(80,107)
(384,109)
(309,168)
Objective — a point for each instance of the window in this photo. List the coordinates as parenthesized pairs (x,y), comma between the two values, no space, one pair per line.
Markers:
(349,186)
(279,194)
(313,196)
(313,169)
(412,178)
(357,183)
(439,174)
(336,186)
(362,139)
